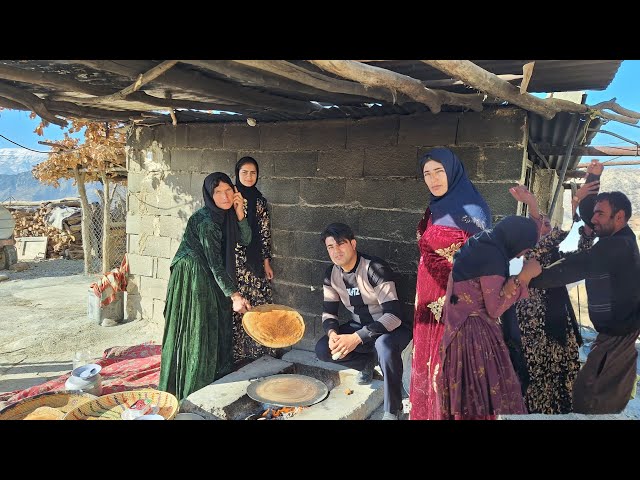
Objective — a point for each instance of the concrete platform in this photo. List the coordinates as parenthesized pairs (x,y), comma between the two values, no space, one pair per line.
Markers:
(227,399)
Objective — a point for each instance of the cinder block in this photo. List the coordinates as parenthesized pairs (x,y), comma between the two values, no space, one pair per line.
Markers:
(374,246)
(133,244)
(219,161)
(133,283)
(428,129)
(280,137)
(155,246)
(293,270)
(502,125)
(370,192)
(141,137)
(404,255)
(133,308)
(133,181)
(298,164)
(134,159)
(140,265)
(369,132)
(501,163)
(388,224)
(186,160)
(163,269)
(322,192)
(312,219)
(158,310)
(240,136)
(170,226)
(324,135)
(308,245)
(205,135)
(282,243)
(165,135)
(410,194)
(390,161)
(175,186)
(498,197)
(301,297)
(341,163)
(281,191)
(156,159)
(151,288)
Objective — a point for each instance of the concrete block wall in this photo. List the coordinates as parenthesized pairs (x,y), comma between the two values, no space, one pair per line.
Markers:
(360,172)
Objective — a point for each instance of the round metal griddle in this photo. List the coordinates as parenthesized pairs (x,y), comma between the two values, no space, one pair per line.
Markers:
(288,390)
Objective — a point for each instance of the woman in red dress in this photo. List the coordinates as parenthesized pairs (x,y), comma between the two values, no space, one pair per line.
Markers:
(456,212)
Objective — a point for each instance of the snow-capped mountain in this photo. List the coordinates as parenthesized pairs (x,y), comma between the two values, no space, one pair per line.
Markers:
(18,160)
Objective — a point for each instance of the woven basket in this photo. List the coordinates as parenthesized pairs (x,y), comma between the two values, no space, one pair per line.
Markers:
(63,401)
(110,407)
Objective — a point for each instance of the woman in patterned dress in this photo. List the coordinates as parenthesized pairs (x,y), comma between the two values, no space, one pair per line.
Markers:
(478,380)
(548,330)
(456,212)
(253,262)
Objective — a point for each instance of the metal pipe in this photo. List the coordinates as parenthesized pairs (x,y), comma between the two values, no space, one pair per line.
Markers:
(565,164)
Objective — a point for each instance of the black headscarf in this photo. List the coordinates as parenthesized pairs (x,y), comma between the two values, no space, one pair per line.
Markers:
(489,252)
(227,219)
(252,194)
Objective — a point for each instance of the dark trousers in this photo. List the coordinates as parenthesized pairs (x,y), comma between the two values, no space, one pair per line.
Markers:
(388,348)
(605,382)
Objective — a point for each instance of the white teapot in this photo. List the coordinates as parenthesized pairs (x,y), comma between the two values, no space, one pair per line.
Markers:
(86,378)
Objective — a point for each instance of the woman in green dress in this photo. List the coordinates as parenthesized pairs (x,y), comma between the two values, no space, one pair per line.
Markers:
(197,344)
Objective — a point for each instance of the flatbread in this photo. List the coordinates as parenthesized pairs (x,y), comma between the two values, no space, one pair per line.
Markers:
(45,413)
(274,326)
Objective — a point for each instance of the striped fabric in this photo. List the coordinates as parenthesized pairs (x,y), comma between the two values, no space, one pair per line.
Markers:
(368,292)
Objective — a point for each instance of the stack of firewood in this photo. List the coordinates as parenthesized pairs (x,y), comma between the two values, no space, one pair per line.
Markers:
(30,220)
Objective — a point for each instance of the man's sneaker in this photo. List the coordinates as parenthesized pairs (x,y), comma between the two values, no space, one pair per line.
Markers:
(389,416)
(365,376)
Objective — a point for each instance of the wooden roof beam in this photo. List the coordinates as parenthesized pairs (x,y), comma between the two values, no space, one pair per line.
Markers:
(31,101)
(380,77)
(201,84)
(323,82)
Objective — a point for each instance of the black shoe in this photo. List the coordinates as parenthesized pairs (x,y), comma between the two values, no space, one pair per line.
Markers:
(365,376)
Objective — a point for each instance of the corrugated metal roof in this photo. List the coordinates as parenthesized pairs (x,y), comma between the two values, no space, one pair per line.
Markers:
(558,132)
(548,75)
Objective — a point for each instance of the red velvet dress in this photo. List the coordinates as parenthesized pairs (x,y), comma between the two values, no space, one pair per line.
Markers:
(437,245)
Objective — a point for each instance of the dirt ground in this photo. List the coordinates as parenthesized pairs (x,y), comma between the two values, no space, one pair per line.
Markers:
(43,322)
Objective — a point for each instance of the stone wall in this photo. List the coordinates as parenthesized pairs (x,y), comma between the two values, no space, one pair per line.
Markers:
(360,172)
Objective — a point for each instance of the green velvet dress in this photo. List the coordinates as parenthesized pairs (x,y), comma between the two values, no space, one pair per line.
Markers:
(197,343)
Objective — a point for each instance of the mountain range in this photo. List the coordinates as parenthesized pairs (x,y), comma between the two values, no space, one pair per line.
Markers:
(18,183)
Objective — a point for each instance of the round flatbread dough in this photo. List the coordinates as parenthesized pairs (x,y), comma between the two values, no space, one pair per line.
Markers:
(274,326)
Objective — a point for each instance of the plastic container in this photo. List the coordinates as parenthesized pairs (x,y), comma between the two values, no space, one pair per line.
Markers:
(113,312)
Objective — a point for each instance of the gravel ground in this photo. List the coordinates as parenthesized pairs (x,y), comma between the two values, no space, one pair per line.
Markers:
(47,268)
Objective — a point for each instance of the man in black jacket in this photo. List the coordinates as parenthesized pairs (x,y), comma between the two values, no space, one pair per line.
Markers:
(611,269)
